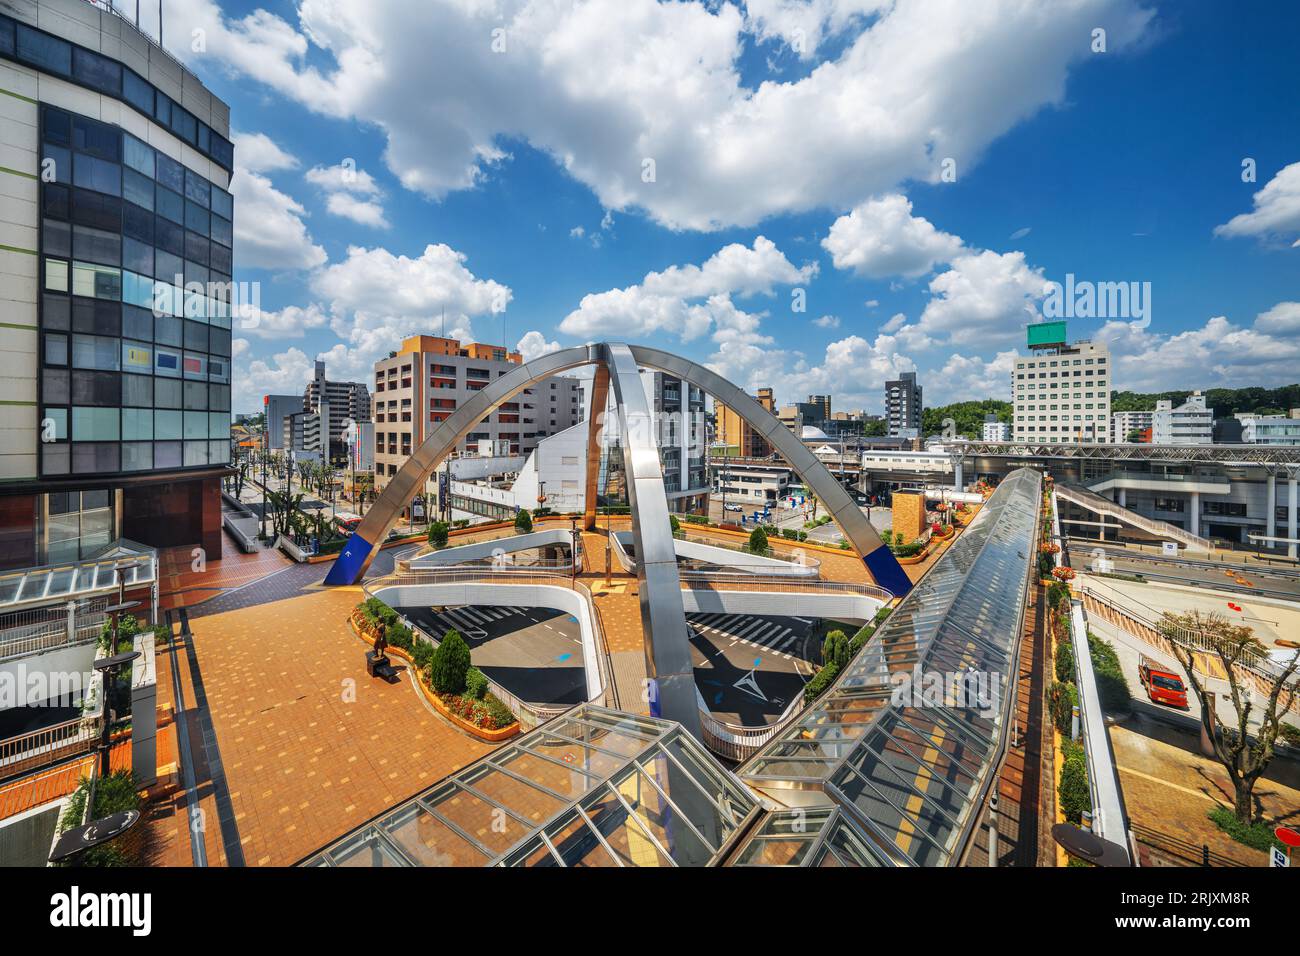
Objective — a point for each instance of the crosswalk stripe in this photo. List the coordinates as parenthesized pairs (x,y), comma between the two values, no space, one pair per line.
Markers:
(788,637)
(763,633)
(750,627)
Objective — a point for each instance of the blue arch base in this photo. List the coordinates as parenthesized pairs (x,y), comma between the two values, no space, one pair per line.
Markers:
(889,574)
(351,562)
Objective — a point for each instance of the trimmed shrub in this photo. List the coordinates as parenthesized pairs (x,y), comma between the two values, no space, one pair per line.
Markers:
(438,532)
(1258,835)
(399,635)
(820,681)
(758,541)
(501,715)
(1062,699)
(675,525)
(115,793)
(523,521)
(450,664)
(476,683)
(1112,686)
(1056,593)
(835,649)
(1072,790)
(422,653)
(1065,661)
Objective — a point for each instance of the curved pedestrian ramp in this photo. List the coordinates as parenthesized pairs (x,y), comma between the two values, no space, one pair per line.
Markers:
(1100,505)
(877,772)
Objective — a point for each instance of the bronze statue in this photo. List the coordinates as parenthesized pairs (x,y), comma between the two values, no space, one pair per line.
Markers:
(381,645)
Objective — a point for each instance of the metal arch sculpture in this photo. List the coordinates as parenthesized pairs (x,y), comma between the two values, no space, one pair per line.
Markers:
(668,657)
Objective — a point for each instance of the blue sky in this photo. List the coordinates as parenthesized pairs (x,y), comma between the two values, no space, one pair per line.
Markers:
(789,138)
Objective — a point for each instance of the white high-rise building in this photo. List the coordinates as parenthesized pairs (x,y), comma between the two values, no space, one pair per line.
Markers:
(1123,424)
(1061,392)
(1191,423)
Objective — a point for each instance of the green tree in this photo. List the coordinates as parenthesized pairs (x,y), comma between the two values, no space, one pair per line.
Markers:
(523,521)
(675,525)
(438,532)
(450,664)
(758,541)
(835,649)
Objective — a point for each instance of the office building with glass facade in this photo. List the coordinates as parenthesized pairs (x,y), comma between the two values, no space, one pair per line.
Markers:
(115,271)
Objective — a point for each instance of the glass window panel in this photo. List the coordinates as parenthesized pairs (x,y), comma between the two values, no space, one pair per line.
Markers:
(136,357)
(171,237)
(137,456)
(185,125)
(196,366)
(59,418)
(219,397)
(218,425)
(196,453)
(54,385)
(221,231)
(205,137)
(167,362)
(166,454)
(56,125)
(137,92)
(102,389)
(65,530)
(96,209)
(137,423)
(56,311)
(56,275)
(94,458)
(97,139)
(100,282)
(7,36)
(169,267)
(137,291)
(137,222)
(162,108)
(199,274)
(167,424)
(219,342)
(196,396)
(56,350)
(137,154)
(56,200)
(169,172)
(95,424)
(197,218)
(220,259)
(44,51)
(167,394)
(223,151)
(218,369)
(96,317)
(56,238)
(169,204)
(223,204)
(96,245)
(94,352)
(167,330)
(55,460)
(196,336)
(197,188)
(137,390)
(91,172)
(196,248)
(219,452)
(97,71)
(56,162)
(137,256)
(137,188)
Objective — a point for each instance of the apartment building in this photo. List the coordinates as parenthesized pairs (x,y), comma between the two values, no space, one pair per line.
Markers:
(1270,429)
(1061,392)
(734,432)
(994,430)
(678,409)
(903,406)
(336,403)
(1190,423)
(1124,424)
(429,377)
(115,278)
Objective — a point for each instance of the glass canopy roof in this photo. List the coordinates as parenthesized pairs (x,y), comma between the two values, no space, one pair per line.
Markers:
(65,582)
(595,787)
(903,746)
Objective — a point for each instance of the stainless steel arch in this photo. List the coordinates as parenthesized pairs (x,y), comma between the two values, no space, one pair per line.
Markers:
(668,657)
(880,561)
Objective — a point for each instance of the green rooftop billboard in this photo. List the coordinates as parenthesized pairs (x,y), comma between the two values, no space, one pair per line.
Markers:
(1043,334)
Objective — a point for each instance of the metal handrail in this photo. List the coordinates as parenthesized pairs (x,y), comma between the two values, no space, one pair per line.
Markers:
(1086,498)
(736,741)
(703,580)
(39,747)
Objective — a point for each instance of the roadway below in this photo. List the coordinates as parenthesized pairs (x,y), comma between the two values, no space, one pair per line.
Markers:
(749,667)
(1270,580)
(533,652)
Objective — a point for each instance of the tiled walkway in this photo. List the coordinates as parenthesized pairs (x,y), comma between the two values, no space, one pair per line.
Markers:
(307,744)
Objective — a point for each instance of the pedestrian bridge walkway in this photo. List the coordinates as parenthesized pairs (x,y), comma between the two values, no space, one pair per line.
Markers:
(1100,505)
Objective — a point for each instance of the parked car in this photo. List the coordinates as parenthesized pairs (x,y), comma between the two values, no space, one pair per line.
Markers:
(1163,686)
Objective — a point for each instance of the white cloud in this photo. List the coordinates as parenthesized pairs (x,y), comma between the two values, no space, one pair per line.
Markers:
(577,232)
(1276,212)
(827,322)
(984,297)
(362,211)
(269,229)
(291,322)
(605,85)
(881,238)
(666,301)
(258,153)
(534,345)
(896,322)
(802,25)
(285,373)
(1219,353)
(965,378)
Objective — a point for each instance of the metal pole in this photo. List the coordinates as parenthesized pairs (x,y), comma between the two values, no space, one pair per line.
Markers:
(993,829)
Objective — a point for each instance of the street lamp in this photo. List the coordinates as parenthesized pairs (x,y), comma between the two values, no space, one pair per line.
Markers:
(573,552)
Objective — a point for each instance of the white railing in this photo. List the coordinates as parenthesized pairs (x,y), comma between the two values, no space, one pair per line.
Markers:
(40,747)
(40,629)
(1161,529)
(736,741)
